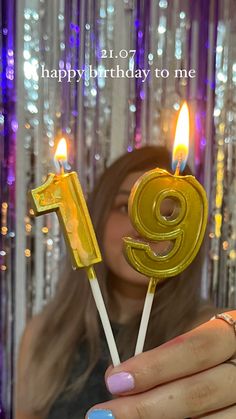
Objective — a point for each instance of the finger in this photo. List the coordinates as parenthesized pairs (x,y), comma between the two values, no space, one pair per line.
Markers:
(185,355)
(192,396)
(233,315)
(228,413)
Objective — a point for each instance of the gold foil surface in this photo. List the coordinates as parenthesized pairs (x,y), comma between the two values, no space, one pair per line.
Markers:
(184,228)
(63,194)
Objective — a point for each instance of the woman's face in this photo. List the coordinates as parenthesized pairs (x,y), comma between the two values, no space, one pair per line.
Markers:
(118,225)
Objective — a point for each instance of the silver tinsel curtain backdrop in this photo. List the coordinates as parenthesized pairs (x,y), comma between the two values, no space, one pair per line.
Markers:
(103,117)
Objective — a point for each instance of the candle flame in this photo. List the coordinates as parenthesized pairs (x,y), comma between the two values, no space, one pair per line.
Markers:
(61,150)
(181,143)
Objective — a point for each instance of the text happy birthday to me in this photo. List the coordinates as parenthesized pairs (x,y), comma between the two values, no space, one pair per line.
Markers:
(114,73)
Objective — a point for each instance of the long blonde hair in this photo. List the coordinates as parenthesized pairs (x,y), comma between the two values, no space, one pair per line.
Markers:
(70,318)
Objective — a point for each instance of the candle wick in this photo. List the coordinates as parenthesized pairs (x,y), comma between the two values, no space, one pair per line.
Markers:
(177,170)
(62,171)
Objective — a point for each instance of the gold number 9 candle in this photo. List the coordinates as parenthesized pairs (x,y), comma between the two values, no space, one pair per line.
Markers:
(63,194)
(183,228)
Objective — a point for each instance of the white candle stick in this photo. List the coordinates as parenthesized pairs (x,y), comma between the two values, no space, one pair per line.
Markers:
(96,291)
(103,315)
(146,315)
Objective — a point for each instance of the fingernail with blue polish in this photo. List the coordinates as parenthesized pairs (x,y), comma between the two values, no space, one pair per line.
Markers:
(101,414)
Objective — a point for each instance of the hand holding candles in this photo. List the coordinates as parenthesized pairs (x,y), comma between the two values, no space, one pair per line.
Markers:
(62,193)
(184,227)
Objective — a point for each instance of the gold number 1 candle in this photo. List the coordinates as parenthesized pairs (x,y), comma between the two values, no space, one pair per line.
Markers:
(183,228)
(63,194)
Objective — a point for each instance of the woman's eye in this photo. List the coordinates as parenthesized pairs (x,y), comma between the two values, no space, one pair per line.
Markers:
(122,208)
(167,207)
(168,212)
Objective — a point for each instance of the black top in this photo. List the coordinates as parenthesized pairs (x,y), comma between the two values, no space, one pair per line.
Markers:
(93,392)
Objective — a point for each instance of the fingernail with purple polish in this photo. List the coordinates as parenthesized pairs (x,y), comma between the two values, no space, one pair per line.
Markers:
(120,382)
(101,414)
